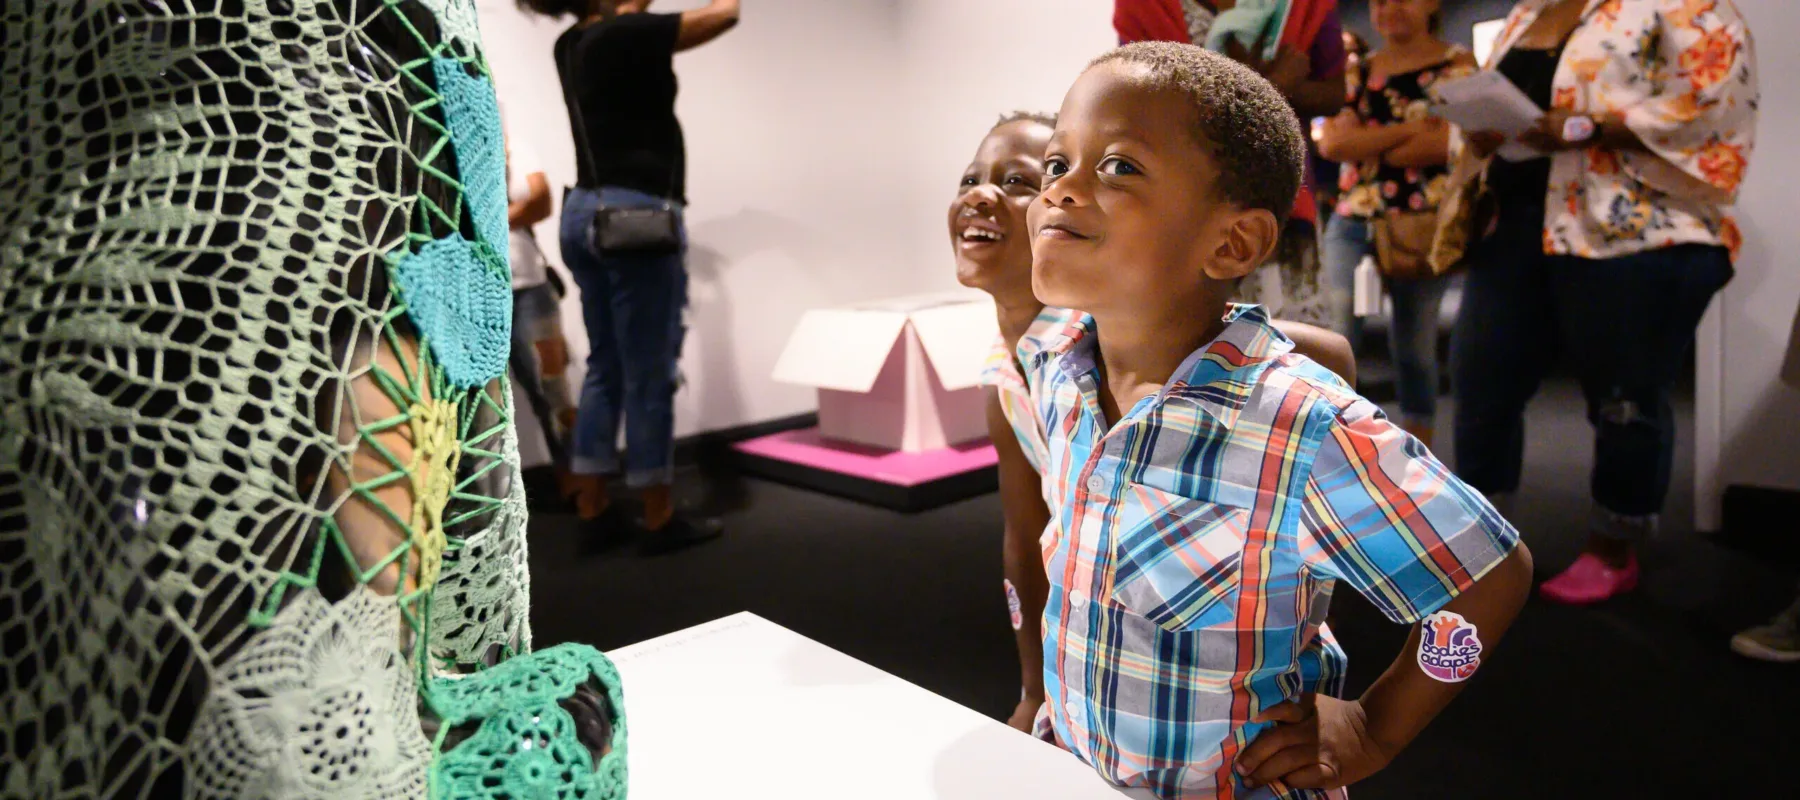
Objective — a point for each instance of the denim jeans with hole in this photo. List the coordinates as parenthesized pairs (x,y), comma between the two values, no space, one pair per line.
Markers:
(631,305)
(1413,328)
(1625,322)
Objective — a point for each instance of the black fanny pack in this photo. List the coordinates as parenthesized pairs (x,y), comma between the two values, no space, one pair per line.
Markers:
(653,230)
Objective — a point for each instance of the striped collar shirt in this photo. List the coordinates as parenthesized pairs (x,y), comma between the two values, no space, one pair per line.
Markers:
(1194,546)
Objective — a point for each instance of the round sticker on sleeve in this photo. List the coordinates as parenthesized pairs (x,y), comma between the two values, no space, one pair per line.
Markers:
(1449,649)
(1012,605)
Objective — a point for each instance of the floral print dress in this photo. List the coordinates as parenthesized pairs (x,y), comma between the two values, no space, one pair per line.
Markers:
(1682,74)
(1371,187)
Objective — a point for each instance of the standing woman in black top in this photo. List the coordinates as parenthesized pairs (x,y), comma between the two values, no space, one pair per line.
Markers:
(617,68)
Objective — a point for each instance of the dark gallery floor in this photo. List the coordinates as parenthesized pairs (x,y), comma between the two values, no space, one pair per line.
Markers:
(1636,698)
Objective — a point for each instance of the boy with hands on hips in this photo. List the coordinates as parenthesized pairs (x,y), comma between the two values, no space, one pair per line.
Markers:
(1208,488)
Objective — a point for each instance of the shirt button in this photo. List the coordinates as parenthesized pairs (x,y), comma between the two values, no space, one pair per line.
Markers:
(1074,709)
(1096,483)
(1077,599)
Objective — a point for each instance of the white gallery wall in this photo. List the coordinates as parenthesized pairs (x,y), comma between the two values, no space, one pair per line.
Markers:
(825,139)
(1747,421)
(966,63)
(790,137)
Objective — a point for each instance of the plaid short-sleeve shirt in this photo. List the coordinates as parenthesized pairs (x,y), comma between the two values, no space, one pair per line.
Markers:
(1194,545)
(1001,371)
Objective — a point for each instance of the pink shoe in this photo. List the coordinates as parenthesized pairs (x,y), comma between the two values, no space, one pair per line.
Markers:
(1591,580)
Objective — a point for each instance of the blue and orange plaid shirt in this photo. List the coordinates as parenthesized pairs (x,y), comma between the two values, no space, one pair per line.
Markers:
(1001,371)
(1194,545)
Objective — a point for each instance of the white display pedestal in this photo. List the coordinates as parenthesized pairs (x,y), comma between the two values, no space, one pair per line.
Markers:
(1744,414)
(742,707)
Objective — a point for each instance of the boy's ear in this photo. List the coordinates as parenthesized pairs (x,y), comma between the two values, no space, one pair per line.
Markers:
(1247,238)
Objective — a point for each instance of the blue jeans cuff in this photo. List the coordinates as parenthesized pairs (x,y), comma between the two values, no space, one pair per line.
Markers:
(1608,524)
(583,465)
(644,478)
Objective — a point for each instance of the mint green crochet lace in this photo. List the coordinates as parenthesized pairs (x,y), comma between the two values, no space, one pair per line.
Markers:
(259,485)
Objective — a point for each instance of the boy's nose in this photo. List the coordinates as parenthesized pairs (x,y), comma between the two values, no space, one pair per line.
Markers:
(1067,191)
(982,196)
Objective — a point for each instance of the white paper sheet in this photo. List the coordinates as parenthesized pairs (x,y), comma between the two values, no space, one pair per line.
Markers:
(1487,101)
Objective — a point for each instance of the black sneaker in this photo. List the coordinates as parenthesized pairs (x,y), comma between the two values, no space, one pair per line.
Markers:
(1778,640)
(679,533)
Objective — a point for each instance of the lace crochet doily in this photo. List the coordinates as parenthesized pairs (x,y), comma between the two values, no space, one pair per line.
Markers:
(258,476)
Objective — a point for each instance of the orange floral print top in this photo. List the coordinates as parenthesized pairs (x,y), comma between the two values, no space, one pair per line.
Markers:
(1683,75)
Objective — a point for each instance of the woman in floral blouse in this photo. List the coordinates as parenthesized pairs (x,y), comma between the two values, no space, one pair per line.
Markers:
(1608,250)
(1393,152)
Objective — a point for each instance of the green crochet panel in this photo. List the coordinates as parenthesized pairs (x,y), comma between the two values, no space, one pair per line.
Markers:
(526,737)
(259,483)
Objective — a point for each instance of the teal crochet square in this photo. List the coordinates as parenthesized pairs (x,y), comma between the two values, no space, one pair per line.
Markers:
(459,294)
(473,116)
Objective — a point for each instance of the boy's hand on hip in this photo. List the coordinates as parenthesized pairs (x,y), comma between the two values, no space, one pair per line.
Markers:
(1318,742)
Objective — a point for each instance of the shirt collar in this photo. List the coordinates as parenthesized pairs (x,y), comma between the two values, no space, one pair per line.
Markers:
(1218,378)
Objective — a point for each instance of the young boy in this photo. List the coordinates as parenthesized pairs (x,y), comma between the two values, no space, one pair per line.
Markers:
(1208,487)
(993,253)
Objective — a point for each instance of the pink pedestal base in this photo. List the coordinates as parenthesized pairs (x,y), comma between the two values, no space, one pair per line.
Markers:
(906,481)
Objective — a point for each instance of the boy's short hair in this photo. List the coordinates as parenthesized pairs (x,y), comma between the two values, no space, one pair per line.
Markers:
(1243,121)
(1039,117)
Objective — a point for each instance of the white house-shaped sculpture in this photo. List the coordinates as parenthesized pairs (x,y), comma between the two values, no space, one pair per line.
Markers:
(900,375)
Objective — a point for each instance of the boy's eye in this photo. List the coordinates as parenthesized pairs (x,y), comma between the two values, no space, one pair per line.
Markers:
(1020,181)
(1054,167)
(967,180)
(1117,166)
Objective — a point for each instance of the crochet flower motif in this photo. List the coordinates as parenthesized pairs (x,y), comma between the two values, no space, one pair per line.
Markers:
(320,704)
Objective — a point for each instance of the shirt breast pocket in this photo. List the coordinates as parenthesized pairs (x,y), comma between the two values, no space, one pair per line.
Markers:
(1176,561)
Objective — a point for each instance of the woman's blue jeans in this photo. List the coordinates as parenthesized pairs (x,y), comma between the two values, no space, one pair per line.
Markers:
(1625,322)
(1413,331)
(632,307)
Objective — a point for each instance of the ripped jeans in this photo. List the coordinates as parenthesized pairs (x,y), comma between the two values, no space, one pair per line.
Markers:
(1626,323)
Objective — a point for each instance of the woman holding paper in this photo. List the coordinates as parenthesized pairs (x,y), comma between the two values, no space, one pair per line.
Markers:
(1610,248)
(1393,152)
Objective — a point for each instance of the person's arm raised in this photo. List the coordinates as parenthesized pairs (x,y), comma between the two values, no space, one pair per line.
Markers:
(703,25)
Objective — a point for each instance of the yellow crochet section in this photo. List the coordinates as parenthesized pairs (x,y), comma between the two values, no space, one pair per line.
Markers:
(436,454)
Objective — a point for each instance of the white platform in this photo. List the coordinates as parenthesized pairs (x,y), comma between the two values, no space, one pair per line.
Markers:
(742,707)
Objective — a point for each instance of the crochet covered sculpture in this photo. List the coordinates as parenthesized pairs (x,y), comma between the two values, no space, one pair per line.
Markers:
(261,522)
